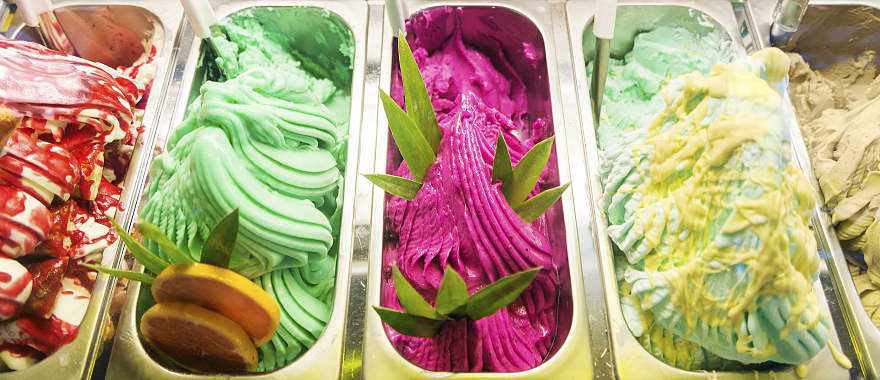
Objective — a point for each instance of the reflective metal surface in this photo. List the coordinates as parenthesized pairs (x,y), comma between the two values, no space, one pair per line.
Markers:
(129,359)
(573,359)
(628,358)
(76,359)
(833,31)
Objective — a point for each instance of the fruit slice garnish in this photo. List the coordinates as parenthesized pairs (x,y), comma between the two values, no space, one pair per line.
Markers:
(224,291)
(199,339)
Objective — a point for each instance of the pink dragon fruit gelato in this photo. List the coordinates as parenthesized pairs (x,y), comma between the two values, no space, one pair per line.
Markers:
(482,83)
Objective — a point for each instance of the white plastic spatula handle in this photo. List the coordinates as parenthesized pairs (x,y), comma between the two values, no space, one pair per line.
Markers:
(200,15)
(603,26)
(397,15)
(32,9)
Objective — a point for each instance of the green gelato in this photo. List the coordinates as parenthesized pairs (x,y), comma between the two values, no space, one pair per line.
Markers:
(270,141)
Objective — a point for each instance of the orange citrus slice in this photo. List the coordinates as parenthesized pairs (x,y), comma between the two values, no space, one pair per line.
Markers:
(223,291)
(198,338)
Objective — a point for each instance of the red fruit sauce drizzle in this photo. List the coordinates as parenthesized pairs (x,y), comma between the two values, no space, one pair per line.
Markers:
(77,117)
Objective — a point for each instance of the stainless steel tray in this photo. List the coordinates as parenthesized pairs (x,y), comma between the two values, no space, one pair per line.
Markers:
(129,359)
(380,359)
(76,359)
(629,358)
(864,334)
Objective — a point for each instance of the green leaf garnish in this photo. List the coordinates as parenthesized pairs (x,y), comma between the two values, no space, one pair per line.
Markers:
(453,301)
(151,232)
(221,241)
(533,208)
(502,168)
(526,173)
(453,293)
(410,298)
(499,294)
(413,146)
(148,259)
(418,103)
(135,276)
(399,186)
(408,324)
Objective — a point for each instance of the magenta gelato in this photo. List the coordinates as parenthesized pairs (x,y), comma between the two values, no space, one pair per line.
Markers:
(479,88)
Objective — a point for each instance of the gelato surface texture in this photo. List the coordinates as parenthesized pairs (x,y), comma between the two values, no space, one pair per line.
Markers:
(709,216)
(265,142)
(460,218)
(839,112)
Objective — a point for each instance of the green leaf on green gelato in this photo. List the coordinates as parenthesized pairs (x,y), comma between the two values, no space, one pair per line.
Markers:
(410,325)
(533,208)
(148,259)
(152,232)
(418,103)
(502,168)
(500,293)
(413,146)
(221,241)
(453,293)
(399,186)
(526,173)
(410,298)
(135,276)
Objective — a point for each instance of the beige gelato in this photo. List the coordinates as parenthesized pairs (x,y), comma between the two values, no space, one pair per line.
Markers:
(839,111)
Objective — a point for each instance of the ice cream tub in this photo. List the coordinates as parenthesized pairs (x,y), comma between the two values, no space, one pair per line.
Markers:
(629,358)
(153,21)
(832,33)
(519,37)
(318,27)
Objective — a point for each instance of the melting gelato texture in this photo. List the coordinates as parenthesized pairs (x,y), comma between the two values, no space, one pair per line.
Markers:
(460,218)
(266,143)
(708,214)
(839,112)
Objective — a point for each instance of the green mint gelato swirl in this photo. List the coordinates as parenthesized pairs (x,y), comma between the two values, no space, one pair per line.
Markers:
(271,142)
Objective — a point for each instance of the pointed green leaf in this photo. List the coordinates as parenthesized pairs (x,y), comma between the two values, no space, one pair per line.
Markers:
(416,151)
(453,292)
(148,259)
(410,298)
(502,168)
(527,172)
(399,186)
(418,103)
(409,325)
(221,242)
(135,276)
(151,232)
(499,293)
(533,208)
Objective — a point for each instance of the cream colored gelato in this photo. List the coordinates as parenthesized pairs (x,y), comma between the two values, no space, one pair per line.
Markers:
(839,111)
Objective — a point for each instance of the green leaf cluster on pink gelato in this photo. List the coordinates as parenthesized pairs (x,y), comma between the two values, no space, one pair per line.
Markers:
(460,218)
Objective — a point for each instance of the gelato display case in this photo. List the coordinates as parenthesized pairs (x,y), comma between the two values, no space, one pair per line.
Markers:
(717,219)
(62,328)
